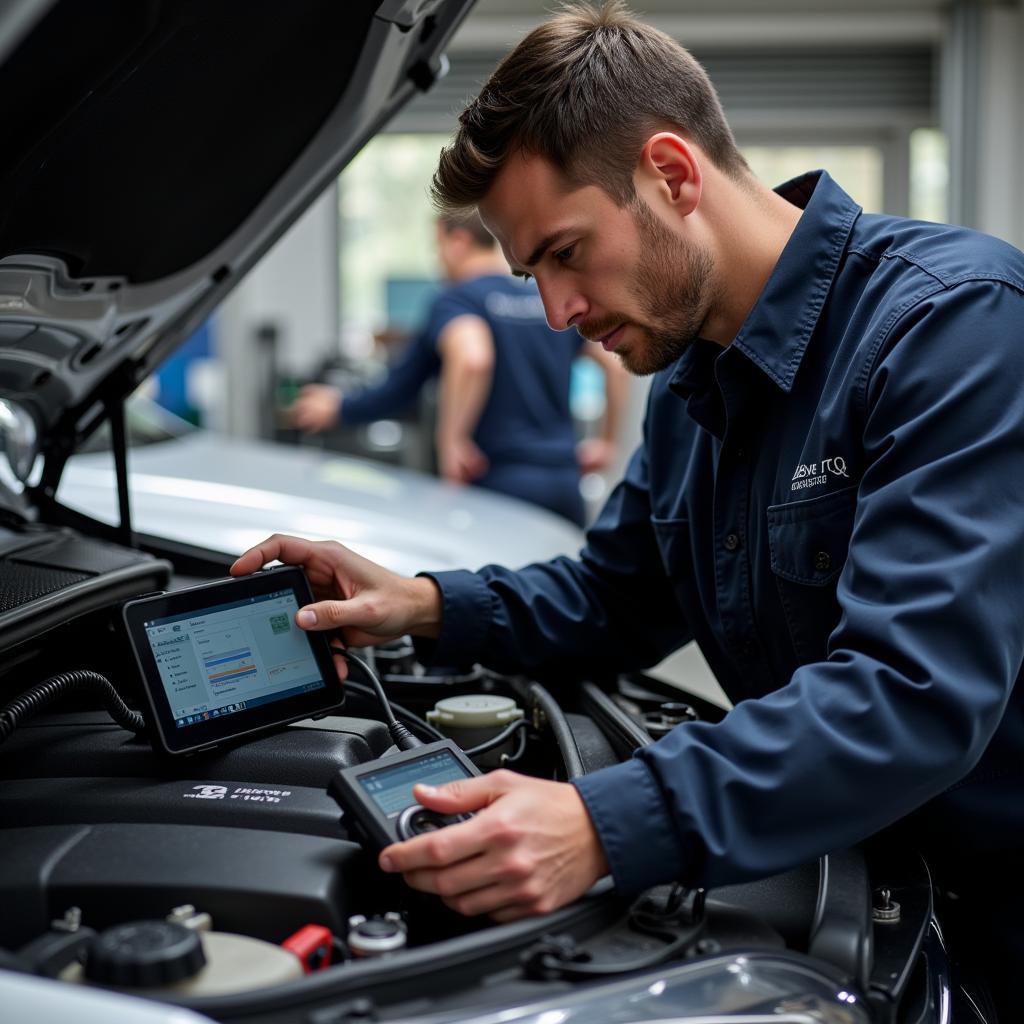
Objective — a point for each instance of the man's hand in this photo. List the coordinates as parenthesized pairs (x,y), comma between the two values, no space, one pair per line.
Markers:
(594,454)
(369,604)
(460,460)
(530,849)
(316,409)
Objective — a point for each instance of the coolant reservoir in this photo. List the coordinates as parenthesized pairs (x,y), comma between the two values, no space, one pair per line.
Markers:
(474,719)
(227,963)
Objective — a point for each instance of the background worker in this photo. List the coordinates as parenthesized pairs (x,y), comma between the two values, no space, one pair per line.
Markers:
(503,419)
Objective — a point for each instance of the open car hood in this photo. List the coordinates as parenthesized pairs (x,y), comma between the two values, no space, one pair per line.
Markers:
(153,151)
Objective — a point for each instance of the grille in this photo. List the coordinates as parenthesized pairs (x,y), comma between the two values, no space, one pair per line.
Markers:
(21,583)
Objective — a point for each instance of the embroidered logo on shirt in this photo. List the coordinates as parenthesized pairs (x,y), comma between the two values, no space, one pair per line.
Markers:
(814,474)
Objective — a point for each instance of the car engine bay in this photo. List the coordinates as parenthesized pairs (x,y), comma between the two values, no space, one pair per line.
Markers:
(230,882)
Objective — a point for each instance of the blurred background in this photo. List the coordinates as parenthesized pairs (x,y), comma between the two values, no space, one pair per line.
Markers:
(912,105)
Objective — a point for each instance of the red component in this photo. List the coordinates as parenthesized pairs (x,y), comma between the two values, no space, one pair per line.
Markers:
(312,944)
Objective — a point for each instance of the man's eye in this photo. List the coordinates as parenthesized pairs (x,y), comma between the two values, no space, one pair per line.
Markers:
(565,254)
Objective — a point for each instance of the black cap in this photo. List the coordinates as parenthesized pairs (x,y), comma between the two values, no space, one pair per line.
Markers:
(144,954)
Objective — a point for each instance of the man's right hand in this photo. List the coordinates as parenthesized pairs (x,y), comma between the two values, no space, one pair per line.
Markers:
(316,409)
(366,602)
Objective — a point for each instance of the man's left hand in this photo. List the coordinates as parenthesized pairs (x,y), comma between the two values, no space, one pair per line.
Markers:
(529,849)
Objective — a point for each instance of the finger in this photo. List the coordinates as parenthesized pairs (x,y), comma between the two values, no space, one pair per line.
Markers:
(438,849)
(502,901)
(510,913)
(333,614)
(465,794)
(457,879)
(292,550)
(341,666)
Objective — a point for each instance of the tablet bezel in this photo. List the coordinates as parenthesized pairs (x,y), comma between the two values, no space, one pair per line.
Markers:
(164,733)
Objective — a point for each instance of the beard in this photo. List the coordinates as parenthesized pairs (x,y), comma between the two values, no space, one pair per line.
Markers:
(673,285)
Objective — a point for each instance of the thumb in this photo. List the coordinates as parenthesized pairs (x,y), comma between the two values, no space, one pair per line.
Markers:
(464,794)
(332,614)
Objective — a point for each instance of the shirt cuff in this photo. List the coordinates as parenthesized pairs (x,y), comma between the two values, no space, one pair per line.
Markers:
(465,620)
(628,811)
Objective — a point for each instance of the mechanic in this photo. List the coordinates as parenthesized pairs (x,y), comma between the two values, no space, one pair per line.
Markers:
(828,498)
(503,420)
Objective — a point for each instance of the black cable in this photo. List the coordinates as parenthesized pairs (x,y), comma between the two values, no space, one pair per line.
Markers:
(33,700)
(496,741)
(410,718)
(560,729)
(679,926)
(403,738)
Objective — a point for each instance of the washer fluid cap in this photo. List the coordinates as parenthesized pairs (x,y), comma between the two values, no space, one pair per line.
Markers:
(475,711)
(144,954)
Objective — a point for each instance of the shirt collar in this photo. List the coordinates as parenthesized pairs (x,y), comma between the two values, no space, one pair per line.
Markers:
(776,332)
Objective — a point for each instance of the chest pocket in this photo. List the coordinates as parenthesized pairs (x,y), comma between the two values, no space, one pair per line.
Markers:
(809,541)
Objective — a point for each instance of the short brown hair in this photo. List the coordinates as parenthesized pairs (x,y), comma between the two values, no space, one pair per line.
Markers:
(585,90)
(469,221)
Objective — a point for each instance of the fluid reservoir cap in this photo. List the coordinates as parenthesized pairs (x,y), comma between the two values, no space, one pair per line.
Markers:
(376,936)
(474,711)
(144,954)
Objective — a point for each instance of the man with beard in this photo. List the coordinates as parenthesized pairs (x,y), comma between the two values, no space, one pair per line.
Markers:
(827,499)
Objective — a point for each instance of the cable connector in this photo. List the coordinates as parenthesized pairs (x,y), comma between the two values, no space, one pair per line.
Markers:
(402,737)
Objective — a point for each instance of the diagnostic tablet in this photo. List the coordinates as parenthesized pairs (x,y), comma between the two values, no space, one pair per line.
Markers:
(226,658)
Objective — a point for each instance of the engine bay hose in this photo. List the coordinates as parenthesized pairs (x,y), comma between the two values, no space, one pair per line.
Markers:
(33,700)
(542,700)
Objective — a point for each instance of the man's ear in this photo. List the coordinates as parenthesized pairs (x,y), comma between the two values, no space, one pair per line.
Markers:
(668,166)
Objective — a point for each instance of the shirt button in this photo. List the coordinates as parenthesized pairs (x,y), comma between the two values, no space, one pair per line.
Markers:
(822,561)
(731,542)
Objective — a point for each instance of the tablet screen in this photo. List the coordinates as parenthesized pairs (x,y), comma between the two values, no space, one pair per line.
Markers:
(227,658)
(223,659)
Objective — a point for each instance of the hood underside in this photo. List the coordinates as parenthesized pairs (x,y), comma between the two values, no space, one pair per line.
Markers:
(154,150)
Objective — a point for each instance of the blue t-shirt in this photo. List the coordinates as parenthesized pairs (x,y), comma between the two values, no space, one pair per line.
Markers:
(526,419)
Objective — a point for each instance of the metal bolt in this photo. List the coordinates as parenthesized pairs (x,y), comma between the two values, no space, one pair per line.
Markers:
(70,922)
(886,910)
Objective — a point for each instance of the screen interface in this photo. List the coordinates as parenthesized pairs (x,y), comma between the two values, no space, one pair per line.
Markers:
(231,657)
(391,788)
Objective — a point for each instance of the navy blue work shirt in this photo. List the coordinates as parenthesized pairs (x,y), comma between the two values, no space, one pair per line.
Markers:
(833,507)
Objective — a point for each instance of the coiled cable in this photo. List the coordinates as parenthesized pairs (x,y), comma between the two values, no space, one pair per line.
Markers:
(33,700)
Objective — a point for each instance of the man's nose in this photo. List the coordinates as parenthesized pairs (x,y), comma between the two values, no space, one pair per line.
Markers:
(563,306)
